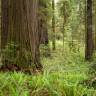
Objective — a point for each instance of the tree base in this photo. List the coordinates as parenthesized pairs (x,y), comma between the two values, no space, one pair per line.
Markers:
(14,67)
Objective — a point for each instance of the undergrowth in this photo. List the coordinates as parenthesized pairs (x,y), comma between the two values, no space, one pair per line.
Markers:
(64,73)
(53,84)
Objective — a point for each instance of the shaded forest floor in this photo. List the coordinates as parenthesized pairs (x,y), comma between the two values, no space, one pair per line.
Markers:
(66,60)
(64,73)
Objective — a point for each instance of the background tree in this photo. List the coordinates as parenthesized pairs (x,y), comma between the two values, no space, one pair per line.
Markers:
(94,22)
(44,18)
(44,8)
(64,11)
(53,26)
(89,31)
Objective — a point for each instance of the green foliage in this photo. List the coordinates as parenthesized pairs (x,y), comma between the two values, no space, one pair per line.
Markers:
(13,85)
(45,50)
(65,72)
(64,8)
(62,75)
(9,53)
(45,10)
(24,58)
(12,54)
(54,84)
(92,69)
(71,17)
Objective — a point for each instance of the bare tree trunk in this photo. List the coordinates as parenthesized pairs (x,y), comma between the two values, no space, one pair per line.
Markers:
(89,31)
(4,19)
(43,34)
(95,22)
(20,25)
(53,26)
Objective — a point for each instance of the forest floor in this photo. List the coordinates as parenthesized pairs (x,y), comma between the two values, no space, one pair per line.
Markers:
(64,73)
(64,60)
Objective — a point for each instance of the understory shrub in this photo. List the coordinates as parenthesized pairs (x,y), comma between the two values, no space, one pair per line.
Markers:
(13,54)
(19,84)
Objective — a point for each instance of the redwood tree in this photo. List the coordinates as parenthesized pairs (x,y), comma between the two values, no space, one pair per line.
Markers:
(89,32)
(20,25)
(43,21)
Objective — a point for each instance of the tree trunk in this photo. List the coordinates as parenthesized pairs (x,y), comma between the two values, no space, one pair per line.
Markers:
(43,35)
(53,26)
(4,23)
(95,21)
(89,33)
(20,25)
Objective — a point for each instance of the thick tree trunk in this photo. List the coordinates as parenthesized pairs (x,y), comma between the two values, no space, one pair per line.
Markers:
(4,19)
(20,25)
(89,33)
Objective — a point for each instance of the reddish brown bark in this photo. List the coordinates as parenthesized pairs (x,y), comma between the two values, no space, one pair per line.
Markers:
(20,25)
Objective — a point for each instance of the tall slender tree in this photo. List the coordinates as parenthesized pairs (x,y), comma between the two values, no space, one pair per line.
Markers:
(89,32)
(53,26)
